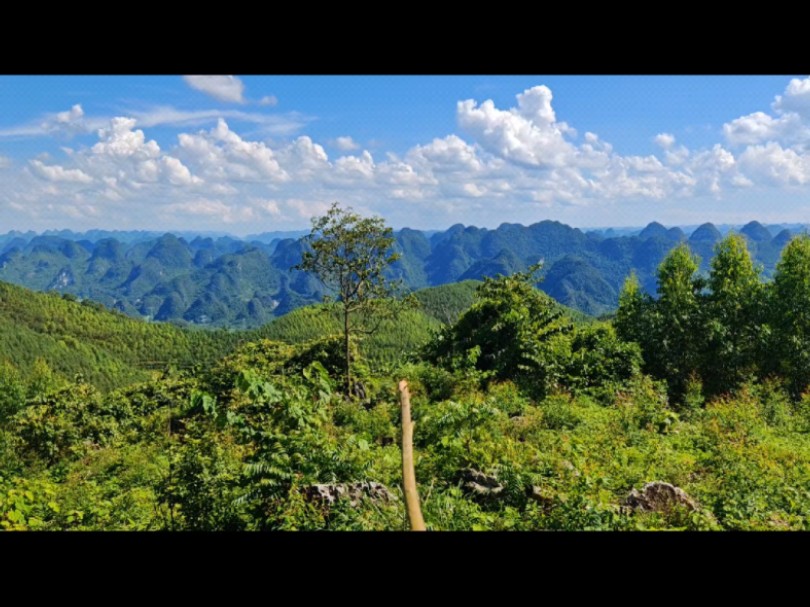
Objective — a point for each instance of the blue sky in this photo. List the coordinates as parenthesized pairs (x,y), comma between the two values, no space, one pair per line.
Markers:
(245,154)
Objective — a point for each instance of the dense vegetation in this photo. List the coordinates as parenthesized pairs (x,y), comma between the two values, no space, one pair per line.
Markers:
(109,349)
(711,335)
(526,418)
(226,282)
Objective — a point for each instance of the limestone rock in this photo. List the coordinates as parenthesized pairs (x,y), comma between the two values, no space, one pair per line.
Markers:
(354,492)
(658,496)
(480,484)
(541,496)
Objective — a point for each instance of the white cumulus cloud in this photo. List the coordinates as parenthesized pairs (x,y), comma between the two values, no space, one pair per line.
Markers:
(63,124)
(355,167)
(58,173)
(776,165)
(796,98)
(222,88)
(304,159)
(69,122)
(527,134)
(450,154)
(120,139)
(222,154)
(789,124)
(346,144)
(759,126)
(665,140)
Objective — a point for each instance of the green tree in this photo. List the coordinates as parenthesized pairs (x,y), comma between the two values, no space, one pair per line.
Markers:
(679,334)
(42,379)
(734,328)
(12,391)
(789,314)
(635,318)
(509,333)
(350,255)
(599,357)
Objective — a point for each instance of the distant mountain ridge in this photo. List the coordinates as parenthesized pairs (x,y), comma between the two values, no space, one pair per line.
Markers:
(221,280)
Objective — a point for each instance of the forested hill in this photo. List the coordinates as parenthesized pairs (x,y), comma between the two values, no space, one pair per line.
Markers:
(51,331)
(110,350)
(107,348)
(54,332)
(221,281)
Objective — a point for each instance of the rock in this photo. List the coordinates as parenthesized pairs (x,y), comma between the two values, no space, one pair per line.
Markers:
(355,492)
(658,496)
(359,390)
(480,484)
(541,496)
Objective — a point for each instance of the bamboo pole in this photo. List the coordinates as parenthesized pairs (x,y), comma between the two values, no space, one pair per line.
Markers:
(408,473)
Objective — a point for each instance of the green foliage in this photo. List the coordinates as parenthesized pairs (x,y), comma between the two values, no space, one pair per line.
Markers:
(680,334)
(447,302)
(600,358)
(238,447)
(789,314)
(291,444)
(202,484)
(349,254)
(512,332)
(12,391)
(558,413)
(734,310)
(644,406)
(42,379)
(701,336)
(327,352)
(65,423)
(635,319)
(108,349)
(27,505)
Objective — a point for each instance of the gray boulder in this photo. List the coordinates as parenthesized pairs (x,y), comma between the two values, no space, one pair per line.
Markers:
(354,492)
(658,496)
(480,484)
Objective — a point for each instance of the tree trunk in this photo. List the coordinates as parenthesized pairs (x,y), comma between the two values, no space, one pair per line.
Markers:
(347,350)
(408,472)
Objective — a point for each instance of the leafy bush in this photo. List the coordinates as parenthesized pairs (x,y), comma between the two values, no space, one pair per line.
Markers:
(512,332)
(598,357)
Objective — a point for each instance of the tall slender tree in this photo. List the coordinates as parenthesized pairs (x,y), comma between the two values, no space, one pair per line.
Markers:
(634,318)
(789,314)
(680,335)
(734,328)
(350,254)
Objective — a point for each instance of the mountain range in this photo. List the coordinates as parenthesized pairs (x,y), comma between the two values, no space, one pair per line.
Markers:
(218,280)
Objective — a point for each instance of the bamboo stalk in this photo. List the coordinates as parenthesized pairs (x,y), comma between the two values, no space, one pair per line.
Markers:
(408,473)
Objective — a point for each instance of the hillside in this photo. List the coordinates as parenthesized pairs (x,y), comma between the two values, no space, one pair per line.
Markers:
(108,348)
(395,340)
(111,350)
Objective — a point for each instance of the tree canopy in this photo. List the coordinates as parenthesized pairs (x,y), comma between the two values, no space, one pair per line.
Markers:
(507,333)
